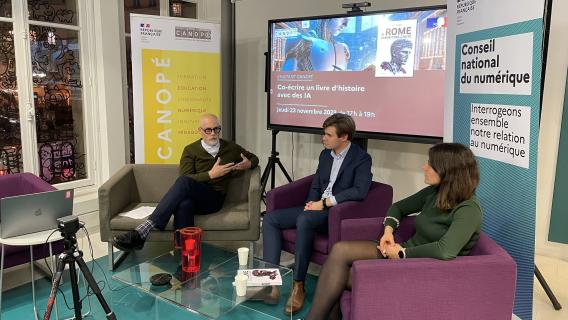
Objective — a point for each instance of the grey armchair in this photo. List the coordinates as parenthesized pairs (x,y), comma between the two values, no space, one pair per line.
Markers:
(137,185)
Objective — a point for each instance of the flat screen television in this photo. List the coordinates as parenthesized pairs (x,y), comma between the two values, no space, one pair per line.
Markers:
(386,69)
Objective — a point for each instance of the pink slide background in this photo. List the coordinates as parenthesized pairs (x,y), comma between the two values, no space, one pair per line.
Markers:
(412,106)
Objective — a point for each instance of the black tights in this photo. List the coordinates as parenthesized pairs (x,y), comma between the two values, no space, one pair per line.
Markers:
(335,276)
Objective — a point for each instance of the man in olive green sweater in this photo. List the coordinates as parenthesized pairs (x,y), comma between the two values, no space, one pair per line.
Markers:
(205,169)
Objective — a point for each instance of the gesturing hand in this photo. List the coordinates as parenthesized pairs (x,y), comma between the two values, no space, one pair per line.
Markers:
(220,170)
(244,164)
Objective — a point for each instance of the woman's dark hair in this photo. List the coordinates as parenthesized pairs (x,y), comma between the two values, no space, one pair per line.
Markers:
(459,175)
(344,125)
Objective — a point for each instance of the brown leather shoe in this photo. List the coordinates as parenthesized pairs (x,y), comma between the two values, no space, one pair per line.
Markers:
(296,301)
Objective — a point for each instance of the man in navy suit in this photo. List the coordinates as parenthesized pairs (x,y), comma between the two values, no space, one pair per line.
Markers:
(343,174)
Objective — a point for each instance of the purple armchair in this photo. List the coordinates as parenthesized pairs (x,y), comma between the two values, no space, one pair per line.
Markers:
(376,204)
(20,184)
(478,286)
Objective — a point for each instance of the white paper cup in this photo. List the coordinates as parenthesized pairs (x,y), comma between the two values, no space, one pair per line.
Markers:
(243,255)
(241,284)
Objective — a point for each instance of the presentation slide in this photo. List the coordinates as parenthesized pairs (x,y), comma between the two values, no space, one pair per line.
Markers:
(385,69)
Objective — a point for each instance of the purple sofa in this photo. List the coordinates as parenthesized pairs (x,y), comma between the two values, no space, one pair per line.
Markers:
(20,184)
(478,286)
(376,204)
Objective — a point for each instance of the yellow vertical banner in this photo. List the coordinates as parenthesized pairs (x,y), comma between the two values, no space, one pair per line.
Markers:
(178,87)
(176,75)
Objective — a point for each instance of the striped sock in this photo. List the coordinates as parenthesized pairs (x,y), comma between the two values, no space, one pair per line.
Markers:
(145,228)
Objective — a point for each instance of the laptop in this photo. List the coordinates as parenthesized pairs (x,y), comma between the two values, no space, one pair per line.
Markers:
(34,212)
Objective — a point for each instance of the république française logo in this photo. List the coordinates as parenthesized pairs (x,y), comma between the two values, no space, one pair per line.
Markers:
(193,33)
(147,30)
(466,6)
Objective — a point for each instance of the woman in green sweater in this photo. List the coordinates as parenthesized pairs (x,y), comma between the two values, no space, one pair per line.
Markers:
(448,225)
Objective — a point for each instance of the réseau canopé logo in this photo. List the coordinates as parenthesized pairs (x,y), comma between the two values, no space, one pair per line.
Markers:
(193,33)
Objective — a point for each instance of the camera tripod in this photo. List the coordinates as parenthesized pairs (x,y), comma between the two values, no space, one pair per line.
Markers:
(270,169)
(70,256)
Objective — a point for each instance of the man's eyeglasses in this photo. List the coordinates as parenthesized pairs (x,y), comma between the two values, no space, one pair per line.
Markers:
(211,130)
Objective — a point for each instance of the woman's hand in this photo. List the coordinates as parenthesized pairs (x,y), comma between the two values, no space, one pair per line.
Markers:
(386,240)
(392,251)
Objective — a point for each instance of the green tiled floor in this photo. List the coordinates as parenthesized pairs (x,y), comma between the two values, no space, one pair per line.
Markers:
(126,302)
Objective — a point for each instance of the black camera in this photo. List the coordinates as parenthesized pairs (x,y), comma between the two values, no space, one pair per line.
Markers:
(68,225)
(355,6)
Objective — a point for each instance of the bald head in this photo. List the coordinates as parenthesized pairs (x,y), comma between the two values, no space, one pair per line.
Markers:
(208,120)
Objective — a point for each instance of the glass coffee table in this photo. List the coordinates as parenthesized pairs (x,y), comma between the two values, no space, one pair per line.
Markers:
(209,293)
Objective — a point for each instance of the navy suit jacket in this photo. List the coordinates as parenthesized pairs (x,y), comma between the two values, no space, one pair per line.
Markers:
(353,180)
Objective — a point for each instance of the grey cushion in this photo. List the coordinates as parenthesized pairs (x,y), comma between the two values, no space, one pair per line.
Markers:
(233,216)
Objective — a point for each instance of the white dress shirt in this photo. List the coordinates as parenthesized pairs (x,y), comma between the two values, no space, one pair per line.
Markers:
(212,150)
(337,161)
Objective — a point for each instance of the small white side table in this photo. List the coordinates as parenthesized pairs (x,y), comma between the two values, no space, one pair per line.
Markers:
(30,240)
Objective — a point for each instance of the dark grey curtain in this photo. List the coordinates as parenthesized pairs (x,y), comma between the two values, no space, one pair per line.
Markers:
(227,70)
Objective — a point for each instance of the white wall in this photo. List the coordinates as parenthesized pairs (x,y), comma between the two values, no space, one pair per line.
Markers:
(551,118)
(395,163)
(212,9)
(110,97)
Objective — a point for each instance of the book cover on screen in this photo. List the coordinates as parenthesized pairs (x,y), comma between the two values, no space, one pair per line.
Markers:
(396,48)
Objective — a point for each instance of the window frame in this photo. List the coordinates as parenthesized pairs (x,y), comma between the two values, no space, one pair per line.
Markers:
(85,29)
